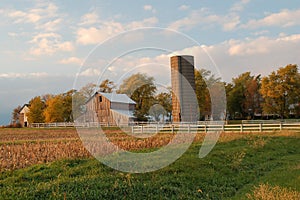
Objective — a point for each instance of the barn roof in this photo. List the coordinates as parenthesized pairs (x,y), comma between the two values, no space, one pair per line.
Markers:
(25,105)
(117,98)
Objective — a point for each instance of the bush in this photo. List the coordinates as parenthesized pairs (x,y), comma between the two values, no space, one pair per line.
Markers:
(16,125)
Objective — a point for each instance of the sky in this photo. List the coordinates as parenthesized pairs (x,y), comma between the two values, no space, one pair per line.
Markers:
(50,47)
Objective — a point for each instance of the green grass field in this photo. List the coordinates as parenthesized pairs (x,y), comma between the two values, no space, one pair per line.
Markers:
(232,170)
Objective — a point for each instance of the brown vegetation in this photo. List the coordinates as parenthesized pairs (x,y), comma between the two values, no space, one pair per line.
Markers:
(267,192)
(23,147)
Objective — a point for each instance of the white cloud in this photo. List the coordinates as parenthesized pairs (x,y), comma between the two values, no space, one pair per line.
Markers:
(231,22)
(71,60)
(50,26)
(24,17)
(284,18)
(90,72)
(204,17)
(95,35)
(261,45)
(263,32)
(148,22)
(12,34)
(89,19)
(239,6)
(149,8)
(227,59)
(48,44)
(35,15)
(259,55)
(183,7)
(64,46)
(23,75)
(44,18)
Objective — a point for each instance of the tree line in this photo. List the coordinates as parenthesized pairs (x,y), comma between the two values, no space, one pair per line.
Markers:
(274,96)
(248,97)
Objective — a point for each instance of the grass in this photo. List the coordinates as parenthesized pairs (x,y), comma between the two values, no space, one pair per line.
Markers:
(241,166)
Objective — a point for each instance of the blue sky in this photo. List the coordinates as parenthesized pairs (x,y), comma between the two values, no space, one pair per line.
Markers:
(44,43)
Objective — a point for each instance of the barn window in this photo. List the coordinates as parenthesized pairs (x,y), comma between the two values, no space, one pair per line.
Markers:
(100,99)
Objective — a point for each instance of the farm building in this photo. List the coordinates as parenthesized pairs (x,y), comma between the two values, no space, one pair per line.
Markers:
(110,109)
(23,115)
(184,102)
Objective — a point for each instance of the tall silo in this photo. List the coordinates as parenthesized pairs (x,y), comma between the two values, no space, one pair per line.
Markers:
(184,100)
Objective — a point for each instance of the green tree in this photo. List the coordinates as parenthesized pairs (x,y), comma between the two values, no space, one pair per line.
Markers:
(140,88)
(253,99)
(78,105)
(202,92)
(280,90)
(243,97)
(164,99)
(36,110)
(207,87)
(157,111)
(67,103)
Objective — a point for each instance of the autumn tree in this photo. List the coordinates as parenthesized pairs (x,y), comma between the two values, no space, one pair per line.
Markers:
(59,108)
(140,88)
(46,97)
(54,109)
(88,90)
(16,115)
(107,86)
(280,91)
(36,110)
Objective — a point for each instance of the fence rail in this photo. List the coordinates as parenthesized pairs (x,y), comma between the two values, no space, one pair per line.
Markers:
(215,127)
(71,124)
(199,127)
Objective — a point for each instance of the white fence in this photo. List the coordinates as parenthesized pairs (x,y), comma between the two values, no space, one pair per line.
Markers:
(52,125)
(215,127)
(71,124)
(200,127)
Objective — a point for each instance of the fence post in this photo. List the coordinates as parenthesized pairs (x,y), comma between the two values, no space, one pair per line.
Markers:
(142,129)
(260,127)
(132,129)
(189,128)
(205,130)
(172,128)
(242,128)
(157,128)
(280,126)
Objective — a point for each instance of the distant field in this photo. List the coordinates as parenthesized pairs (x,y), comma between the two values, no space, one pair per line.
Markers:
(53,164)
